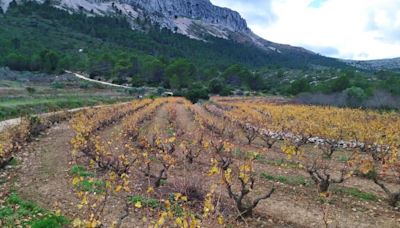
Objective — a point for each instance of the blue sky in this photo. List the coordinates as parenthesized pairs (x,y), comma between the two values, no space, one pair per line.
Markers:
(350,29)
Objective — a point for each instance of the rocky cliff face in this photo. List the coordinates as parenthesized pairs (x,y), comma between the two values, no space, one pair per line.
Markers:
(194,18)
(182,16)
(197,19)
(167,11)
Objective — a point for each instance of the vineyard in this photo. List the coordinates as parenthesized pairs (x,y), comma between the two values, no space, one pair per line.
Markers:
(228,162)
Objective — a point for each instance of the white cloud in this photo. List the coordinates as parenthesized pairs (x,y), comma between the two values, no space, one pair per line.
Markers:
(357,29)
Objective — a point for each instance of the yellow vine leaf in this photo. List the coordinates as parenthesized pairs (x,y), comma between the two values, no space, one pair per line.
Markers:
(221,220)
(150,190)
(92,163)
(77,223)
(84,201)
(161,221)
(213,170)
(177,196)
(75,181)
(118,188)
(92,224)
(179,222)
(57,212)
(185,224)
(138,204)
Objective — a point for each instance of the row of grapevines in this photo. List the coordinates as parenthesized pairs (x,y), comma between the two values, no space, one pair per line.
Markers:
(12,139)
(372,136)
(229,172)
(207,122)
(92,191)
(367,130)
(87,123)
(117,166)
(131,124)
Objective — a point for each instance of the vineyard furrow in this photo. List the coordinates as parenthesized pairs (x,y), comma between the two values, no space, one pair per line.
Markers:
(166,162)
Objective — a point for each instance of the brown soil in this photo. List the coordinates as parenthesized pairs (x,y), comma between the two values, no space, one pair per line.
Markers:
(43,177)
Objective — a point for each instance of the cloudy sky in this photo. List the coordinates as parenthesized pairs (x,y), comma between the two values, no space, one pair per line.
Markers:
(350,29)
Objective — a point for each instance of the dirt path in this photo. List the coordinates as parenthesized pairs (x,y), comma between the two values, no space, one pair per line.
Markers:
(43,174)
(185,119)
(96,81)
(158,124)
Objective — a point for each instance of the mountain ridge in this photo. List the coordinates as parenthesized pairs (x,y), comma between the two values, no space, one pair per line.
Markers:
(42,38)
(376,64)
(196,19)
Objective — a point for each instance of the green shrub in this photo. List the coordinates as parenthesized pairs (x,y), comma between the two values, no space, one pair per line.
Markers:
(355,96)
(52,221)
(147,202)
(80,171)
(216,86)
(226,91)
(299,86)
(197,92)
(28,214)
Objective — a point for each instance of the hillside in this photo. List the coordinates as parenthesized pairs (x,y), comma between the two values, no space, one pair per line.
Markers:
(197,19)
(115,48)
(376,65)
(113,31)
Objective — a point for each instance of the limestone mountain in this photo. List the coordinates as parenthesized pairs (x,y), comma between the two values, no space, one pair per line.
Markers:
(197,19)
